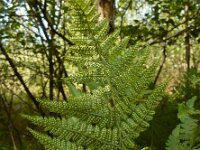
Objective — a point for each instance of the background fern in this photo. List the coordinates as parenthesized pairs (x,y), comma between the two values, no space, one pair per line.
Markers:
(118,103)
(187,134)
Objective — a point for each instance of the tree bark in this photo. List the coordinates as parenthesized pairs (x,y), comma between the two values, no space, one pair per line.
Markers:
(106,8)
(187,36)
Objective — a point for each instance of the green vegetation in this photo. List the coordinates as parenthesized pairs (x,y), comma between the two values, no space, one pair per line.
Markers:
(186,135)
(72,80)
(119,104)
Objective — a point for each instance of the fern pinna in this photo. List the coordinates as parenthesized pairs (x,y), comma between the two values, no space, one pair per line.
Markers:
(117,105)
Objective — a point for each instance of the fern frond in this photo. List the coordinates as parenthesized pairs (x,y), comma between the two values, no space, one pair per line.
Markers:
(118,104)
(73,129)
(84,103)
(54,143)
(187,134)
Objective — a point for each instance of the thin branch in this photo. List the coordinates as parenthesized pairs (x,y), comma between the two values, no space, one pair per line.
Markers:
(122,16)
(158,40)
(12,138)
(18,75)
(52,49)
(162,64)
(11,124)
(44,12)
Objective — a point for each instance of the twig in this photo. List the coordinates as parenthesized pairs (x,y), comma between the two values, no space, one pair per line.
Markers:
(161,66)
(12,138)
(18,75)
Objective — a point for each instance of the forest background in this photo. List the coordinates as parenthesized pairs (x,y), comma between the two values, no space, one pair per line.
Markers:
(34,42)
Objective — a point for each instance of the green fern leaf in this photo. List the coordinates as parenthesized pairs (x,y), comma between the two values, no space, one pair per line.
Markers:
(117,105)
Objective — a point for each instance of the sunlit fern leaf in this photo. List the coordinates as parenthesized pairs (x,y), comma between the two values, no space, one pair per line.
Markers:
(54,143)
(117,105)
(82,131)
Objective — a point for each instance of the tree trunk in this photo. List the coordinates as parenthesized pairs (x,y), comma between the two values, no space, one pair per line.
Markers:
(187,36)
(106,8)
